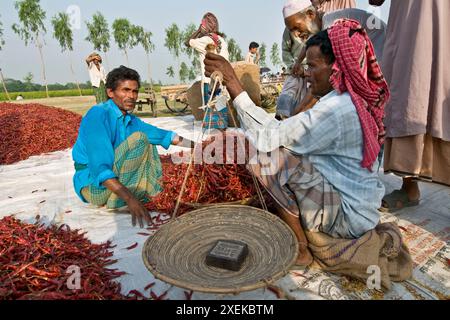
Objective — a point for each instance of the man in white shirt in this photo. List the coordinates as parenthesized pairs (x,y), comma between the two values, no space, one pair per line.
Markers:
(97,75)
(326,179)
(253,54)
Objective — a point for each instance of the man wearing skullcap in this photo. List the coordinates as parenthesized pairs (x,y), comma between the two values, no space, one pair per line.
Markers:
(294,88)
(303,20)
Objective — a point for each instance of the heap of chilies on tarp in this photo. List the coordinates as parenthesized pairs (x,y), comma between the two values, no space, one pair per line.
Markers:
(206,184)
(40,262)
(32,129)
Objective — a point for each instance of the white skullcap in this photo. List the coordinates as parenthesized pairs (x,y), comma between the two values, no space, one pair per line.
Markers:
(295,6)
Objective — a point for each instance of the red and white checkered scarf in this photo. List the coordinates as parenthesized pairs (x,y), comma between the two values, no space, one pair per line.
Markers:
(357,71)
(210,26)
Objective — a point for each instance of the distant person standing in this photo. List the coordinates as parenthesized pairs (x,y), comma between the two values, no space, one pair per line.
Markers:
(208,38)
(98,76)
(293,46)
(253,54)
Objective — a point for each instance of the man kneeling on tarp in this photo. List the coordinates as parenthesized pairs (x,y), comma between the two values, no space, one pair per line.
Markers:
(115,155)
(326,184)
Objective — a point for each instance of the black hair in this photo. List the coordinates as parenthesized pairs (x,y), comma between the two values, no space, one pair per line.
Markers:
(322,40)
(120,74)
(253,45)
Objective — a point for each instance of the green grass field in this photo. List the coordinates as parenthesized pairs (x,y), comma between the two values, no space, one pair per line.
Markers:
(56,93)
(42,95)
(82,104)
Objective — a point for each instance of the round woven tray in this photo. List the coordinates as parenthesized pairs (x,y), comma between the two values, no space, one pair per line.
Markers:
(243,202)
(176,253)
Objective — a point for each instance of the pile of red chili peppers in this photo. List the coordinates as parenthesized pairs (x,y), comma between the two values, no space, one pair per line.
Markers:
(207,183)
(35,263)
(32,129)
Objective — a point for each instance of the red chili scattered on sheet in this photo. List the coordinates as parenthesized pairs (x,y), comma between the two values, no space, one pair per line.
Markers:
(154,296)
(150,285)
(144,234)
(188,295)
(33,129)
(277,291)
(132,246)
(35,259)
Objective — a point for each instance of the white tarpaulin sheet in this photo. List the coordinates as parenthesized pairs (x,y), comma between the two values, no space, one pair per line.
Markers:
(43,185)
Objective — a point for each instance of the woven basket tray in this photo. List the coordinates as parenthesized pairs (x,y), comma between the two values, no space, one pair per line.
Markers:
(243,202)
(176,253)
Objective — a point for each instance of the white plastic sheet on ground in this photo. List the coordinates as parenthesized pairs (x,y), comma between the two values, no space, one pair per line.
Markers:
(43,185)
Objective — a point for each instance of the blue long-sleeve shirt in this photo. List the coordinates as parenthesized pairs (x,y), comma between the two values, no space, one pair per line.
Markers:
(102,130)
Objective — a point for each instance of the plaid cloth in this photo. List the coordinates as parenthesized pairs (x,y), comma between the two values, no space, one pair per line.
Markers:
(100,93)
(303,192)
(210,27)
(138,167)
(218,119)
(357,71)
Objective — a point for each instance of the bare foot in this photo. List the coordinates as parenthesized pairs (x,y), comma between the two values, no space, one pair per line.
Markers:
(305,258)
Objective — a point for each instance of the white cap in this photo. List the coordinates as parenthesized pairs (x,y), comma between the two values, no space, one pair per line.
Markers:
(295,6)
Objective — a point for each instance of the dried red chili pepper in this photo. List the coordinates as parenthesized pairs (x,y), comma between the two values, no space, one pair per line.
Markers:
(188,295)
(150,285)
(206,184)
(33,129)
(132,246)
(35,259)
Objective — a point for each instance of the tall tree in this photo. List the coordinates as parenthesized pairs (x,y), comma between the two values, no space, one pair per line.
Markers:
(170,72)
(31,28)
(126,35)
(173,40)
(184,72)
(190,52)
(63,33)
(174,43)
(28,81)
(235,52)
(263,55)
(99,35)
(145,39)
(185,35)
(275,55)
(2,43)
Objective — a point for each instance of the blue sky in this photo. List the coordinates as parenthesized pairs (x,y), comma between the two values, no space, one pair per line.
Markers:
(244,20)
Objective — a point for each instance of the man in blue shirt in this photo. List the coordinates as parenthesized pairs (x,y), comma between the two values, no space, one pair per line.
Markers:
(115,155)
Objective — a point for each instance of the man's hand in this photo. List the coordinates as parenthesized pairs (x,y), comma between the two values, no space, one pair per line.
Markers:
(138,212)
(214,62)
(298,70)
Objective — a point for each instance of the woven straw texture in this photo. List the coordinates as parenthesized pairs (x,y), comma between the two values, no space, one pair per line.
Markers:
(176,253)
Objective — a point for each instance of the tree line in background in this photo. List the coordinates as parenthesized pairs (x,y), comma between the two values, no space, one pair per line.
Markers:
(31,29)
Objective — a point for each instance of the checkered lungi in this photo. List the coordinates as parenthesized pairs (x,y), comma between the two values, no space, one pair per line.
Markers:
(100,93)
(302,191)
(137,166)
(214,119)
